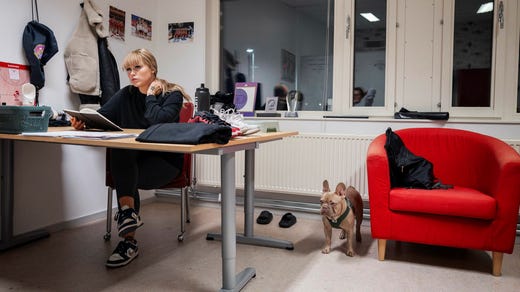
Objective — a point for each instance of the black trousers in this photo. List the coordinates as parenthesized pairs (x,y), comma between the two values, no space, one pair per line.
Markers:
(132,170)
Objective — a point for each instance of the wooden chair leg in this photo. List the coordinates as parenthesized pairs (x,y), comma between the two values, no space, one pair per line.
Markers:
(497,263)
(381,248)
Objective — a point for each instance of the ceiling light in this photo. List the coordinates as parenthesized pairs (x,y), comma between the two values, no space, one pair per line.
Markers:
(250,50)
(486,7)
(370,17)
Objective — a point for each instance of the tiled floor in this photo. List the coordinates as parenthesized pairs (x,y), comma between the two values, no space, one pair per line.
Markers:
(73,260)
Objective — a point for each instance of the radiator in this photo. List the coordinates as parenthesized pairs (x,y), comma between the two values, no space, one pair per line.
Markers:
(298,164)
(514,143)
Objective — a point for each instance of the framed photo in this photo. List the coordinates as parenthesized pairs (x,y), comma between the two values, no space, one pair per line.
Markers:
(271,103)
(245,97)
(116,23)
(141,27)
(288,66)
(181,32)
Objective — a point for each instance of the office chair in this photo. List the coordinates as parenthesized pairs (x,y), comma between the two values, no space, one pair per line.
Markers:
(182,181)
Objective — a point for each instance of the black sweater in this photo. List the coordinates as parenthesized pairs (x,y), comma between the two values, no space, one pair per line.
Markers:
(129,108)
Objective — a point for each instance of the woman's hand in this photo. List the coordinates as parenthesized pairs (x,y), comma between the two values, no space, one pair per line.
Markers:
(77,124)
(154,88)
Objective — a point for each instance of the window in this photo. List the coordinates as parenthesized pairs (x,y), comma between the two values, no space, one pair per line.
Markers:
(279,44)
(369,53)
(421,55)
(475,60)
(472,53)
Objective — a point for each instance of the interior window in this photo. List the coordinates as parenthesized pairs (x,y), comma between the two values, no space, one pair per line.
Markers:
(369,53)
(286,46)
(472,53)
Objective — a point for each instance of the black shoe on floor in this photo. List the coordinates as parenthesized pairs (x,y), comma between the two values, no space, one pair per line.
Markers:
(124,253)
(127,221)
(287,220)
(265,217)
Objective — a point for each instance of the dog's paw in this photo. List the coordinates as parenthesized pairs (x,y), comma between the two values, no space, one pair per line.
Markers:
(342,234)
(326,250)
(350,253)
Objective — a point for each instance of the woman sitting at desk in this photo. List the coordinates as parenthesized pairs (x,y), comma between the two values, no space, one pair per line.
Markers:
(146,102)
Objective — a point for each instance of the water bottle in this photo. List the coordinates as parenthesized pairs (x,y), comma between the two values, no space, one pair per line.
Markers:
(202,98)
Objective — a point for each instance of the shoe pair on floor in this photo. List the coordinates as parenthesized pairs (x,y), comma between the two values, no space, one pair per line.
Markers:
(127,222)
(286,221)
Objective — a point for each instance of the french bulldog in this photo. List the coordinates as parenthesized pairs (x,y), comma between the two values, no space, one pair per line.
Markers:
(334,205)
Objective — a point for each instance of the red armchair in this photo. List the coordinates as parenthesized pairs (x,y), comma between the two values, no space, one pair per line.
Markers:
(480,212)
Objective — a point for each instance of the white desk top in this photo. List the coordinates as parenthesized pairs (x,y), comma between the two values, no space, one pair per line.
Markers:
(131,143)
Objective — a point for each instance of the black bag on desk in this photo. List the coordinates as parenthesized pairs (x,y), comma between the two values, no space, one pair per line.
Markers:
(186,133)
(406,114)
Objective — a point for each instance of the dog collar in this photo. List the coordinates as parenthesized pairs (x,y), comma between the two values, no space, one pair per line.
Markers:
(336,222)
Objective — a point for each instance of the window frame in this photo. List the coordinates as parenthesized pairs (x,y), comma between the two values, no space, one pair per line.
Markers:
(497,65)
(512,23)
(506,45)
(344,50)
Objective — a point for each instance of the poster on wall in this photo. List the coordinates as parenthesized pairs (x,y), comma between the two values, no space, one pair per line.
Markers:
(180,32)
(141,27)
(12,77)
(116,23)
(288,66)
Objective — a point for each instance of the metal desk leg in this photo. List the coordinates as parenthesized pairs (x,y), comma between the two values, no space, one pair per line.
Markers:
(230,281)
(249,189)
(7,202)
(249,192)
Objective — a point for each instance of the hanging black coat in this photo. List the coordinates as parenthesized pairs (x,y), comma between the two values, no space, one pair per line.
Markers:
(108,73)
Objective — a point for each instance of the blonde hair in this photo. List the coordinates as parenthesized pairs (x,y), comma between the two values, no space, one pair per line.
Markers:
(145,57)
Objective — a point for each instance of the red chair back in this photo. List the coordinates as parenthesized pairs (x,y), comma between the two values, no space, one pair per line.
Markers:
(186,112)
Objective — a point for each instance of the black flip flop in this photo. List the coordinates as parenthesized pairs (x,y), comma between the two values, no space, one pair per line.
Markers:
(287,220)
(265,217)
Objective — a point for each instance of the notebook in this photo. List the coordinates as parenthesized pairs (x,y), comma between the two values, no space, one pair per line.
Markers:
(93,119)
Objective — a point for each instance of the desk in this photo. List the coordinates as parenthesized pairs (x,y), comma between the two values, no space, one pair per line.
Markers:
(230,280)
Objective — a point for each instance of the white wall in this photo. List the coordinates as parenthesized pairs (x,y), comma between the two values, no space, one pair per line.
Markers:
(182,63)
(55,183)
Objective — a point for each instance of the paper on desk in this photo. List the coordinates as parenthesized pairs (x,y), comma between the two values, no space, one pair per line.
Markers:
(81,134)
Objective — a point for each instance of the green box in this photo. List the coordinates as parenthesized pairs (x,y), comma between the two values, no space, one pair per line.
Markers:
(18,119)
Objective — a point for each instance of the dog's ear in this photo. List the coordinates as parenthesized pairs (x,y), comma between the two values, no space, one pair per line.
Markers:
(341,190)
(326,187)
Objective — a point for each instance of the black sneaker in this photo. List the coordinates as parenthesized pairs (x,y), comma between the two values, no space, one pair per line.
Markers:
(124,253)
(127,221)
